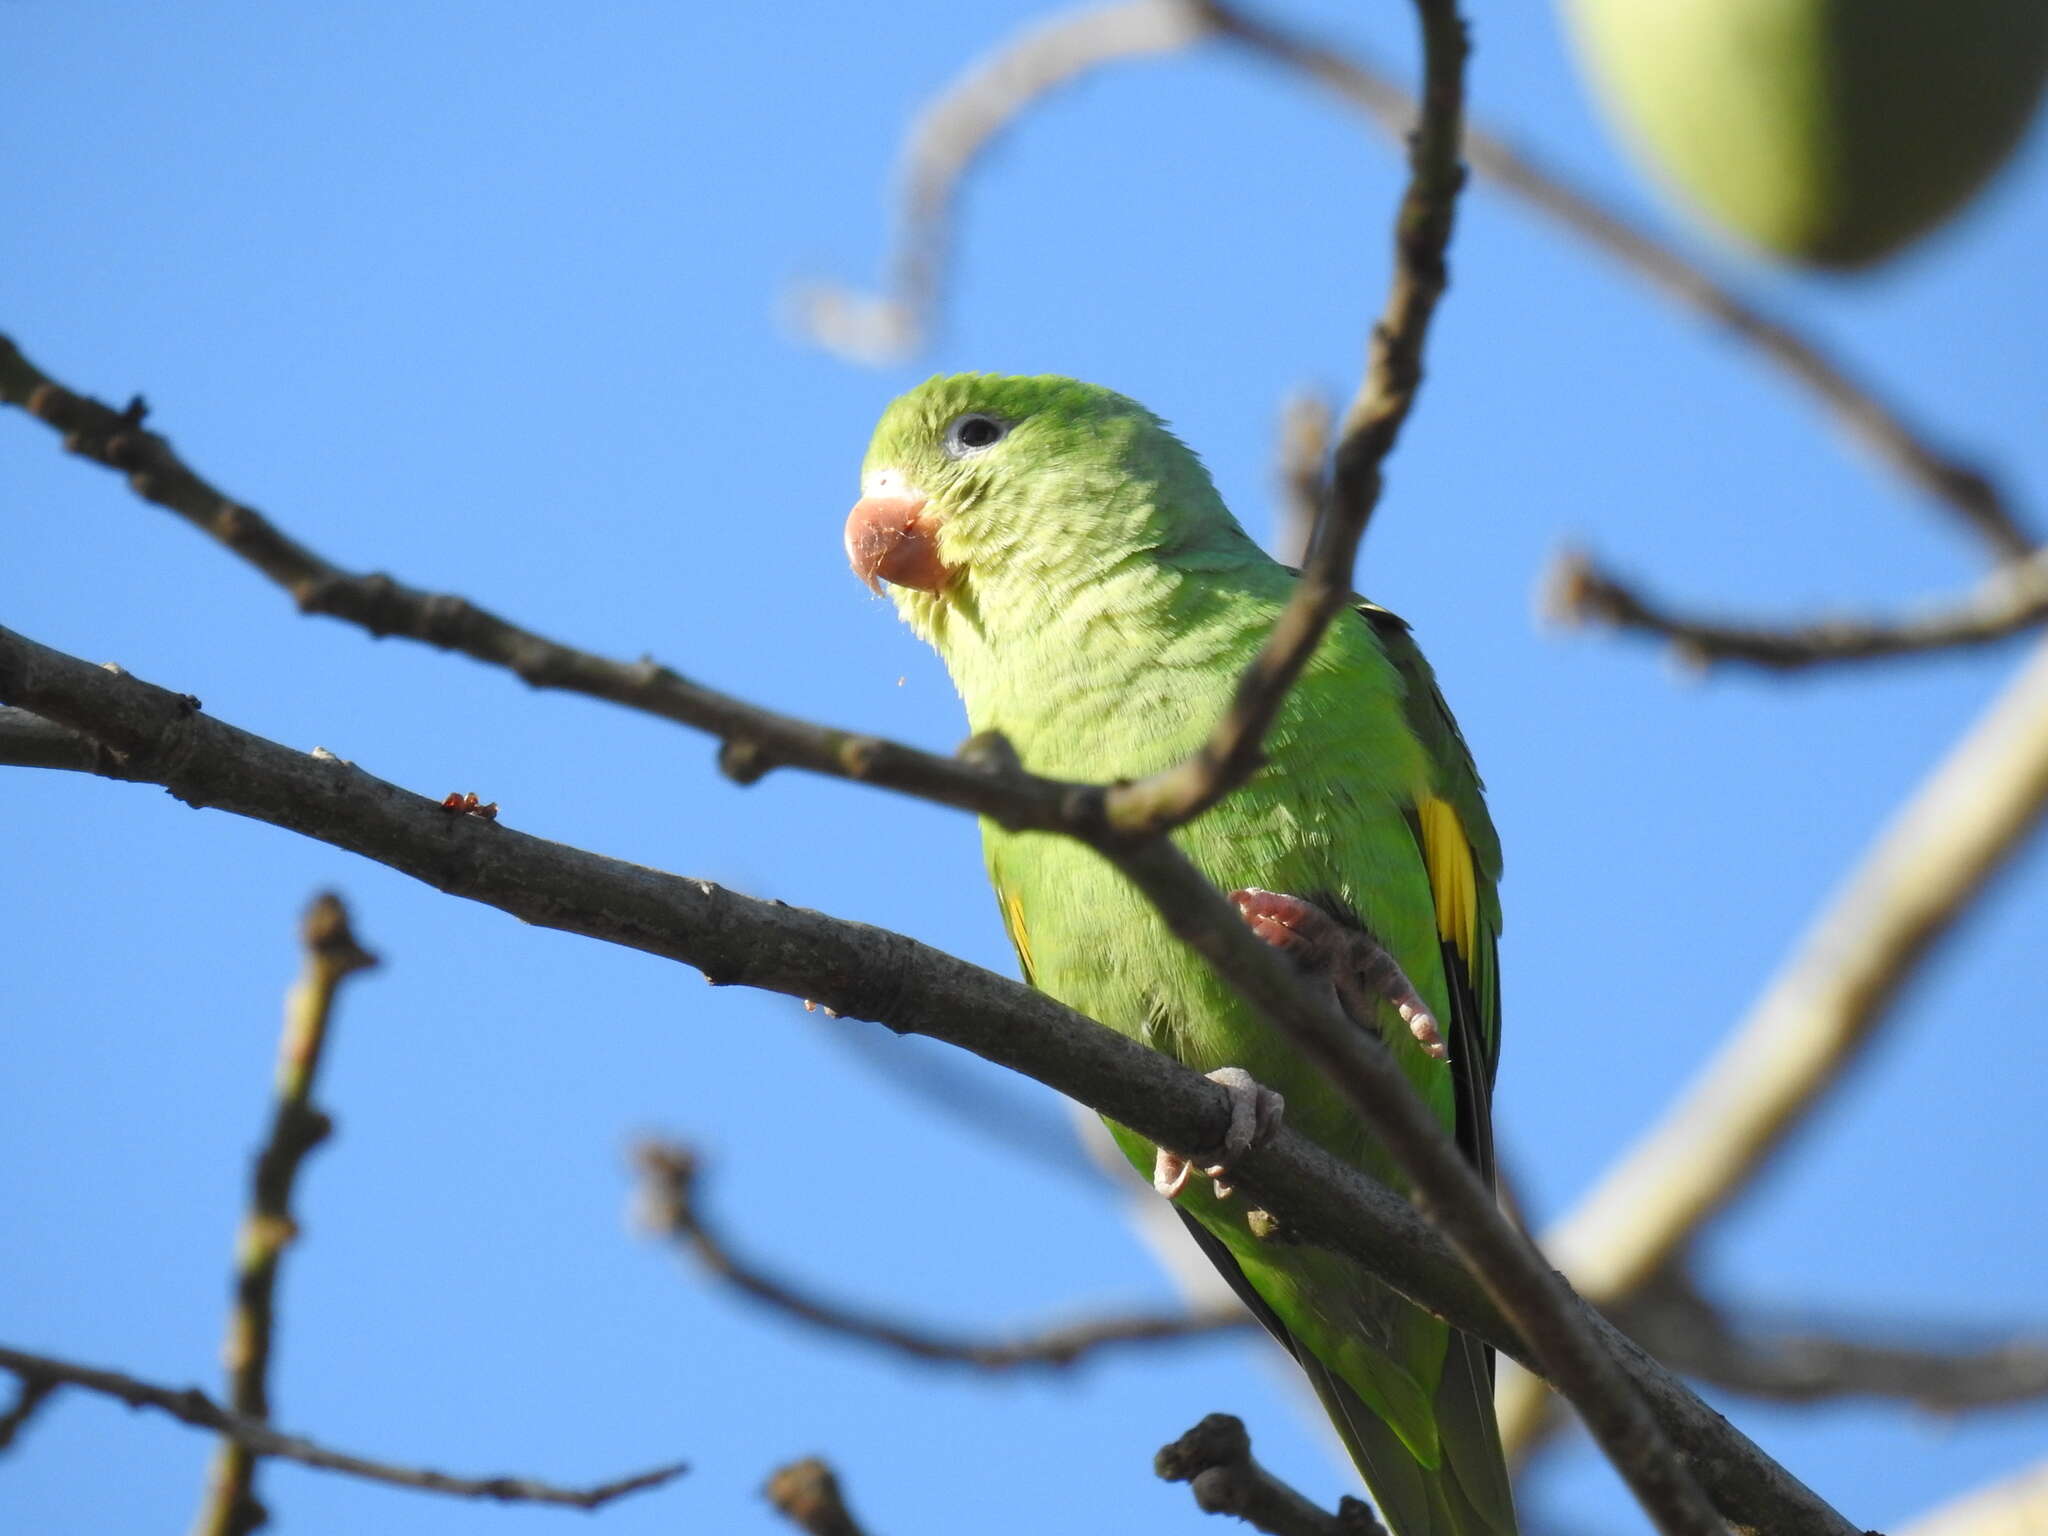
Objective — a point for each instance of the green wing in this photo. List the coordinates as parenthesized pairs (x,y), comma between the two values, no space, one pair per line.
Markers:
(1464,880)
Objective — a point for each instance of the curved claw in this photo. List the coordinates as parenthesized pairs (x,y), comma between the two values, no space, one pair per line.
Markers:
(1255,1112)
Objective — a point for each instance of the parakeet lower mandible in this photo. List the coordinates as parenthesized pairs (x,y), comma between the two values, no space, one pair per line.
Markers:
(1095,602)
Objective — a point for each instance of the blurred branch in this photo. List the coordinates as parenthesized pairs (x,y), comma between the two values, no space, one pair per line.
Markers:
(1690,1334)
(191,1406)
(2014,1506)
(1215,1460)
(2012,598)
(943,144)
(155,736)
(670,1206)
(938,156)
(1304,452)
(1938,855)
(807,1495)
(31,1393)
(332,955)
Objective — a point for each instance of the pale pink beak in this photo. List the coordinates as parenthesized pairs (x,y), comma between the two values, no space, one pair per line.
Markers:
(888,538)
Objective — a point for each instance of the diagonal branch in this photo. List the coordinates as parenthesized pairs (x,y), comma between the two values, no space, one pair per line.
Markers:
(2012,598)
(1370,428)
(153,736)
(332,955)
(191,1406)
(1841,982)
(670,1205)
(755,740)
(1693,1335)
(31,1395)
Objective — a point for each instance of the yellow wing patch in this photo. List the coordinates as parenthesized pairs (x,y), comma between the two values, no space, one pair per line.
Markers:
(1013,924)
(1452,880)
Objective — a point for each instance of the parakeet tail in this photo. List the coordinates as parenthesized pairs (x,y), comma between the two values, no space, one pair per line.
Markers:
(1467,1493)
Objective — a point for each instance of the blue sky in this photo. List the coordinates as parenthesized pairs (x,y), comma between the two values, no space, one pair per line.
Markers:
(492,298)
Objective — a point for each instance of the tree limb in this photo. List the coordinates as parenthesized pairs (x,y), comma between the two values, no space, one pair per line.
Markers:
(670,1205)
(807,1495)
(1692,1335)
(332,955)
(1215,1460)
(191,1406)
(1370,428)
(1940,852)
(2012,598)
(151,735)
(31,1395)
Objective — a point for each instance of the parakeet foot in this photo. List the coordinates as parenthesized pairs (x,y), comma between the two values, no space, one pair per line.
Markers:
(1354,963)
(1255,1113)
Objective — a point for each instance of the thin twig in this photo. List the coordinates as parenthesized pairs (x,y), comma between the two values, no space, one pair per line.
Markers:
(807,1495)
(2014,597)
(1215,1460)
(31,1393)
(948,137)
(1371,426)
(191,1406)
(755,740)
(154,736)
(332,955)
(1840,983)
(671,1206)
(1687,1332)
(1303,456)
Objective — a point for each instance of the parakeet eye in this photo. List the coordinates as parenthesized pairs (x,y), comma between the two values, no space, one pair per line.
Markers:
(970,434)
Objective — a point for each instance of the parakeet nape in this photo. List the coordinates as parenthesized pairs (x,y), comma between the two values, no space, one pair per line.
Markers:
(1095,602)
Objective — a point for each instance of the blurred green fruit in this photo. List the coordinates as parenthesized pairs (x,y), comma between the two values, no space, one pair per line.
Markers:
(1825,131)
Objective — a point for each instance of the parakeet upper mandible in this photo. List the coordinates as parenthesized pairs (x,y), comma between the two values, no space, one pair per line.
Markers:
(1095,602)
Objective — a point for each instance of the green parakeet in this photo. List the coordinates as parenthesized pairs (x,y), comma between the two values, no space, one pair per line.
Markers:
(1095,602)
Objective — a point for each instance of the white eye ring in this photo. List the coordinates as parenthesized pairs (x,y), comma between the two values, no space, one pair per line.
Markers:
(974,433)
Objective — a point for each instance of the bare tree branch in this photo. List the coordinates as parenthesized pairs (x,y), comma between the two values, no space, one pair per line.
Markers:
(332,955)
(2012,598)
(1833,992)
(155,736)
(1215,1460)
(807,1495)
(671,1206)
(1371,426)
(755,740)
(31,1394)
(1691,1334)
(2015,1506)
(191,1406)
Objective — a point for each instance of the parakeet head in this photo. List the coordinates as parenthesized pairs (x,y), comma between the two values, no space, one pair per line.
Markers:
(993,495)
